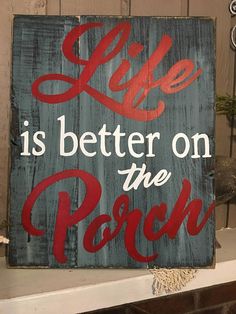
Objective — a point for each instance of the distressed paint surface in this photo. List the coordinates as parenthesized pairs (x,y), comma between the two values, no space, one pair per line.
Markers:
(36,51)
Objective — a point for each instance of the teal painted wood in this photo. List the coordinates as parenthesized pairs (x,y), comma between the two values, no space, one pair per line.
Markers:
(37,51)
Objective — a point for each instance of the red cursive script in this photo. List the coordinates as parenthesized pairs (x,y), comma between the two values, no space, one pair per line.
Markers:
(136,89)
(122,215)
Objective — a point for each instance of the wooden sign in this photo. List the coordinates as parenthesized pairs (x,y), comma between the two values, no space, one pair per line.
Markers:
(112,142)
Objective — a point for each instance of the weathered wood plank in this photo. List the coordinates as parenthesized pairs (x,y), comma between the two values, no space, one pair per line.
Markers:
(29,6)
(158,7)
(184,7)
(40,38)
(185,124)
(8,8)
(5,56)
(53,7)
(125,7)
(113,253)
(224,75)
(91,7)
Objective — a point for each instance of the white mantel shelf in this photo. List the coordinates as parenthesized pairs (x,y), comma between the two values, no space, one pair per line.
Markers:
(44,291)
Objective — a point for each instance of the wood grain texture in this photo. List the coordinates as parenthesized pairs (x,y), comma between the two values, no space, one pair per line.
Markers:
(125,7)
(8,8)
(5,60)
(190,111)
(91,7)
(158,8)
(224,55)
(224,75)
(203,7)
(184,7)
(28,6)
(53,7)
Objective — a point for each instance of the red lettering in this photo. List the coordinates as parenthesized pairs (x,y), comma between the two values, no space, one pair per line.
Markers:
(135,90)
(124,218)
(132,220)
(178,215)
(177,75)
(64,218)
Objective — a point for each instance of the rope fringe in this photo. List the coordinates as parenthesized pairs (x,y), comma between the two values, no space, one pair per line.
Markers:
(171,280)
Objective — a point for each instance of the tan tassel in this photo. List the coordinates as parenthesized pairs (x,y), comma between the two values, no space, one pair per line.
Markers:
(166,280)
(3,240)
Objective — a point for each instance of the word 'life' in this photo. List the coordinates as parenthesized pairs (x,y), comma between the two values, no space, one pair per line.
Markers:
(136,89)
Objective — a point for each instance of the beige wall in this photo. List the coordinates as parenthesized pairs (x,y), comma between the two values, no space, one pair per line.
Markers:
(225,68)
